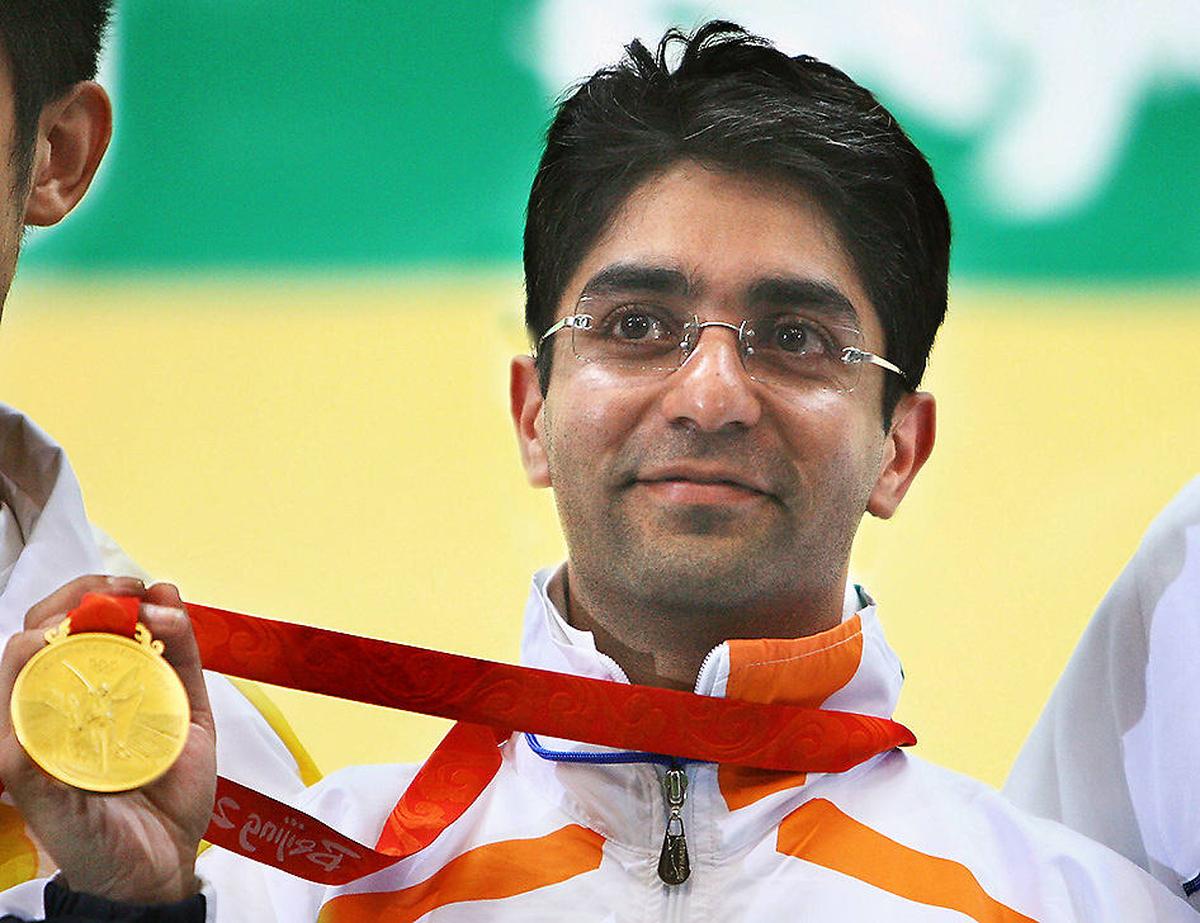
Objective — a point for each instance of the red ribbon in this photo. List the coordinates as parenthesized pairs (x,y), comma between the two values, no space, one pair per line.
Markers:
(501,695)
(116,615)
(260,828)
(489,701)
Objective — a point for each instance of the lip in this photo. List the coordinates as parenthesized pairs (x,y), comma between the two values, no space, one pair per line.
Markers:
(700,493)
(701,484)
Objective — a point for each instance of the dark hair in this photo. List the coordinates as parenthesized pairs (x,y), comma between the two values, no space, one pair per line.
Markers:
(50,45)
(735,103)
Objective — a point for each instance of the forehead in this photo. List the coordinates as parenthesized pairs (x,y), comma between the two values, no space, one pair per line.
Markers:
(723,240)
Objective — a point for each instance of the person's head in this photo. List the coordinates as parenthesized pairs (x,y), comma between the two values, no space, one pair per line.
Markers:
(736,178)
(736,104)
(55,123)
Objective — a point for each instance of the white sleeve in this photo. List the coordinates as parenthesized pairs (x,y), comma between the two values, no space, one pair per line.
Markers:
(1116,753)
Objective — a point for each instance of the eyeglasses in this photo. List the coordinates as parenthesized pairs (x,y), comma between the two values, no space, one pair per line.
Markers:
(794,349)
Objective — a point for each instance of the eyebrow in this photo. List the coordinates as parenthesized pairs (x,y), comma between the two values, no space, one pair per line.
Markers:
(794,291)
(778,291)
(637,277)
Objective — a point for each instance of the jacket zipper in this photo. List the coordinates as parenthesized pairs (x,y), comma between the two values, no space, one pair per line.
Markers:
(673,864)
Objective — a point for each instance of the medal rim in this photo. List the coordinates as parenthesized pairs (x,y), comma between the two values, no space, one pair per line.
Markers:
(65,776)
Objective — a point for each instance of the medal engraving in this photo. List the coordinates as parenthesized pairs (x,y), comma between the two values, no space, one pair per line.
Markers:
(99,711)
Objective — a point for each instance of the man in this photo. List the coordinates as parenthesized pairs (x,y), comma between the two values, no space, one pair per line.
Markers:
(1114,753)
(55,125)
(735,269)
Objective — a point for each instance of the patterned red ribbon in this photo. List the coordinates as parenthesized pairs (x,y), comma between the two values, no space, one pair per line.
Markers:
(489,701)
(260,828)
(501,695)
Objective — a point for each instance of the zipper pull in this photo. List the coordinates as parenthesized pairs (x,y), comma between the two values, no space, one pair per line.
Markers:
(673,864)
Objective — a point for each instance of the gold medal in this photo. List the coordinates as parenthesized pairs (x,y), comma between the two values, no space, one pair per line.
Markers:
(100,711)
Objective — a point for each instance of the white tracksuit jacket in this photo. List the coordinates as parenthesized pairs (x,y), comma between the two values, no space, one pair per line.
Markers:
(894,839)
(1116,753)
(46,541)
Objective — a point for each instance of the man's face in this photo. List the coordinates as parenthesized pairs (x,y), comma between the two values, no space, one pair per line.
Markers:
(702,488)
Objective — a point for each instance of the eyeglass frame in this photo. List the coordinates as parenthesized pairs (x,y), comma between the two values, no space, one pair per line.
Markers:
(851,355)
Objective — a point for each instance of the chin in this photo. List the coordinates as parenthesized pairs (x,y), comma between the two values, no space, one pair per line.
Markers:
(694,574)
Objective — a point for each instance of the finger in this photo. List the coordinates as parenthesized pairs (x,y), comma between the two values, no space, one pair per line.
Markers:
(163,594)
(17,651)
(68,596)
(171,626)
(18,771)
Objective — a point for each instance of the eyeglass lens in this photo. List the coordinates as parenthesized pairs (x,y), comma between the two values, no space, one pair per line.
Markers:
(795,348)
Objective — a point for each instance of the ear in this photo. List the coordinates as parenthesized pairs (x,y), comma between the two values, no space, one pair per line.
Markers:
(909,443)
(526,400)
(73,134)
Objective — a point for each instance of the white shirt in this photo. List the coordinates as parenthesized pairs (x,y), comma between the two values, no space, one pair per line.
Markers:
(1116,753)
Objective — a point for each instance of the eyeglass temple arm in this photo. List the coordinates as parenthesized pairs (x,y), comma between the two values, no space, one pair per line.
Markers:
(853,354)
(582,321)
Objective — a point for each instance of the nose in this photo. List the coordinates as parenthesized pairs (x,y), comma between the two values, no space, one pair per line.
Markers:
(711,389)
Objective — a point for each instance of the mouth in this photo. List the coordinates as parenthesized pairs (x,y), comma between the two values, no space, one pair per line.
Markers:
(701,486)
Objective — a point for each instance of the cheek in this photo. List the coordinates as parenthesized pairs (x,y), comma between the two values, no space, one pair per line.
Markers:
(588,421)
(833,440)
(596,398)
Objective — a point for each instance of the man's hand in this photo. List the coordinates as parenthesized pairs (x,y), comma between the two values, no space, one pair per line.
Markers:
(137,846)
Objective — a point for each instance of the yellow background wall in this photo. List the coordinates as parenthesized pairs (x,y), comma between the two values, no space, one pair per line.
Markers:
(340,453)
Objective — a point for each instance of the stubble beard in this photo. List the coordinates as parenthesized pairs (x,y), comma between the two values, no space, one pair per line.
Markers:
(701,561)
(12,228)
(10,242)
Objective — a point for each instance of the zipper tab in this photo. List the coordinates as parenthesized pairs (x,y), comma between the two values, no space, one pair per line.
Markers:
(673,864)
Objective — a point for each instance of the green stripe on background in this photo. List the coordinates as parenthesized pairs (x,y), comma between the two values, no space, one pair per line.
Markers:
(1144,223)
(318,133)
(325,133)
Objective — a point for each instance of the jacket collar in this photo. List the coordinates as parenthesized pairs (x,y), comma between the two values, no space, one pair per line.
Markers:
(847,668)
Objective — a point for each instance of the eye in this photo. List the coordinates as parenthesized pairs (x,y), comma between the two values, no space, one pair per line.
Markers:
(636,323)
(799,336)
(634,326)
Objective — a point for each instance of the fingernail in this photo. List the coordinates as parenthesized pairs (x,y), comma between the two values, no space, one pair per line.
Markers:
(163,612)
(126,584)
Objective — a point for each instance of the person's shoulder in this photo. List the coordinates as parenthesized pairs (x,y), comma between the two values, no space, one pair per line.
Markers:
(971,819)
(1171,525)
(981,829)
(962,805)
(11,416)
(1164,569)
(974,808)
(1186,502)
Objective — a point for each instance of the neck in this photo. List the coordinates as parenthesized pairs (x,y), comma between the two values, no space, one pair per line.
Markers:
(664,647)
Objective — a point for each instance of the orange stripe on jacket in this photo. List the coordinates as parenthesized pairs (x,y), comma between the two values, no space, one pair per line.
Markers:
(819,833)
(798,671)
(486,873)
